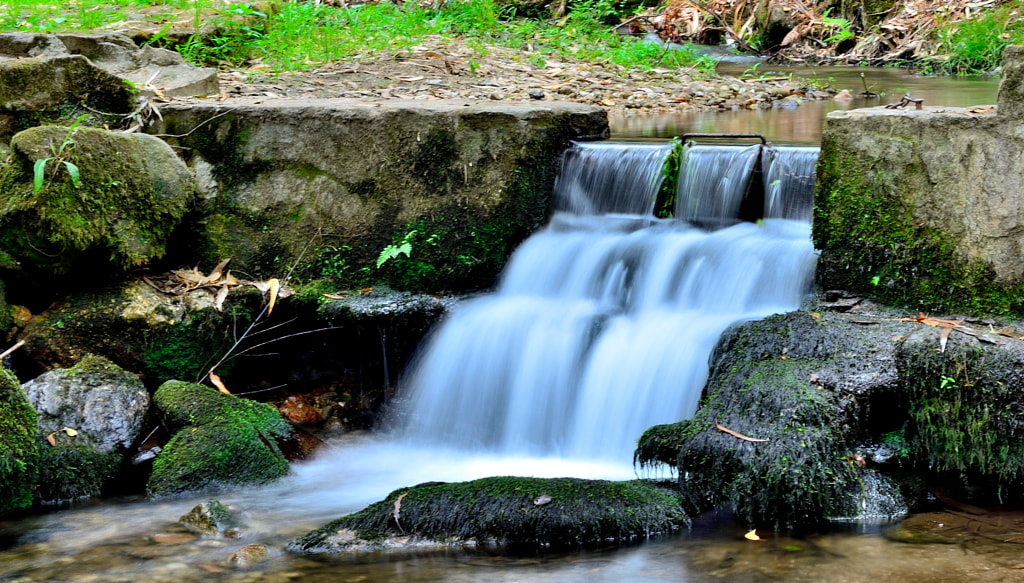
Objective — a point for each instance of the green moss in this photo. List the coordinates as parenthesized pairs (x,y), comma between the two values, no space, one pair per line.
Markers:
(187,349)
(132,193)
(217,454)
(220,440)
(71,471)
(506,509)
(19,455)
(965,412)
(872,245)
(801,474)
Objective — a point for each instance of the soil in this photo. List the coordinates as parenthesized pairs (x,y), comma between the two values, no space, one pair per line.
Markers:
(449,70)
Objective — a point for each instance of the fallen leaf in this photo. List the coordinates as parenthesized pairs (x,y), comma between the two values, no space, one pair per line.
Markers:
(411,79)
(275,284)
(398,509)
(738,435)
(752,535)
(943,337)
(814,378)
(222,294)
(218,383)
(365,290)
(334,296)
(69,431)
(542,500)
(217,271)
(52,439)
(816,315)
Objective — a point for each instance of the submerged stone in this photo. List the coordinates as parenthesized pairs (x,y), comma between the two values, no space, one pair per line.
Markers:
(210,518)
(504,511)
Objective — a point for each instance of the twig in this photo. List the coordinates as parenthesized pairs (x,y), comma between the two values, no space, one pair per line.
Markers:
(10,350)
(201,124)
(737,434)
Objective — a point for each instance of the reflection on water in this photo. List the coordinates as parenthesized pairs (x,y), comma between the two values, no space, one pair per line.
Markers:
(803,124)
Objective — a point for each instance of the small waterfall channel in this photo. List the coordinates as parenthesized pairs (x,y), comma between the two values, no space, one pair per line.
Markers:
(603,322)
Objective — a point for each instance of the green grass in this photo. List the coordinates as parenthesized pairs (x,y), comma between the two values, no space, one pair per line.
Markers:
(299,35)
(976,45)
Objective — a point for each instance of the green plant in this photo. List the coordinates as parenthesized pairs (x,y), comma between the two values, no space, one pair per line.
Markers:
(976,45)
(58,158)
(394,250)
(840,28)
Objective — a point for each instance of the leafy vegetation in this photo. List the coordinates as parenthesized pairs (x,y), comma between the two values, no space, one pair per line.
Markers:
(975,45)
(301,35)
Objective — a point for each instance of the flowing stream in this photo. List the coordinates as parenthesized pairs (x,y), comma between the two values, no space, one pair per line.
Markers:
(601,326)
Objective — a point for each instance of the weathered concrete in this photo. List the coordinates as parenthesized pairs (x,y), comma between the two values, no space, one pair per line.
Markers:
(923,207)
(327,185)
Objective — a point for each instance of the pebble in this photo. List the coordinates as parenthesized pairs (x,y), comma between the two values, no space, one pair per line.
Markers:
(249,555)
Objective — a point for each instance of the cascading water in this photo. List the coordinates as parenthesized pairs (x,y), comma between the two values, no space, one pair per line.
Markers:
(625,178)
(789,182)
(713,181)
(602,324)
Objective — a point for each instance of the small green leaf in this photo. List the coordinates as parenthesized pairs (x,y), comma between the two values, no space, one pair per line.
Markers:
(73,171)
(39,173)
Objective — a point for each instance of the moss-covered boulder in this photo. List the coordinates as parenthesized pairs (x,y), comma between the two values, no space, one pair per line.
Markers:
(329,185)
(965,409)
(787,399)
(130,193)
(219,440)
(19,456)
(89,417)
(534,512)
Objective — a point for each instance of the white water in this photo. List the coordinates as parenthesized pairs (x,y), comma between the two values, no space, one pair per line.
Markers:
(601,326)
(602,178)
(713,181)
(789,182)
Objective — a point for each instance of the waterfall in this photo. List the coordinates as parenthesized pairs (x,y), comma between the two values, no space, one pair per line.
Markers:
(789,182)
(610,178)
(602,324)
(713,181)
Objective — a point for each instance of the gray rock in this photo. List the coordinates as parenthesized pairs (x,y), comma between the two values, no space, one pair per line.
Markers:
(104,404)
(89,415)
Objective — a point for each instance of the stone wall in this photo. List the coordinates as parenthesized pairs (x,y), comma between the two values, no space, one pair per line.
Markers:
(923,207)
(326,186)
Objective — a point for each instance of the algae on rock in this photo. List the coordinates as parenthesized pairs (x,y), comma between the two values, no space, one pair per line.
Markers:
(19,455)
(534,512)
(219,440)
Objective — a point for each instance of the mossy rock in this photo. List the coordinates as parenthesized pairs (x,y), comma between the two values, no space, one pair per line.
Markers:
(221,440)
(48,84)
(19,456)
(810,387)
(965,410)
(73,470)
(532,512)
(159,336)
(460,184)
(133,191)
